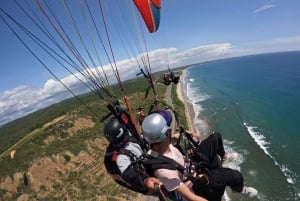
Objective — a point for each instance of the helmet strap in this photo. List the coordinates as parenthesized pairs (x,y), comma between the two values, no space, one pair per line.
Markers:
(169,133)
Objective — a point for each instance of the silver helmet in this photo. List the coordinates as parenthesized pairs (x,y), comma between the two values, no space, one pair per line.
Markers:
(156,125)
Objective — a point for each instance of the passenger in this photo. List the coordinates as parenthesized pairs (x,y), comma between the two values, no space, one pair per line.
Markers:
(209,180)
(156,129)
(121,159)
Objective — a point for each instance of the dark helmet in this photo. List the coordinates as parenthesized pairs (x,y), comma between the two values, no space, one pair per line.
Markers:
(116,132)
(156,125)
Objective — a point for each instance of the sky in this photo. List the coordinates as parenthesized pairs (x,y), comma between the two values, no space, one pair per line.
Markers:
(190,31)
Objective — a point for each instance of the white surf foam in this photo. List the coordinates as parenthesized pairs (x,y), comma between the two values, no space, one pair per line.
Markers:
(264,145)
(195,97)
(235,164)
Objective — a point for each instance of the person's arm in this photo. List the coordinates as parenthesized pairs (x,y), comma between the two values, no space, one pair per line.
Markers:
(135,179)
(130,174)
(188,194)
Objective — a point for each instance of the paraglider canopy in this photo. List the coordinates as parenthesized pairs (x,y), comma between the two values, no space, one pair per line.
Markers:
(150,11)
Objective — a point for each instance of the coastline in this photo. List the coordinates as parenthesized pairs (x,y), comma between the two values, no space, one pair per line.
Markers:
(189,109)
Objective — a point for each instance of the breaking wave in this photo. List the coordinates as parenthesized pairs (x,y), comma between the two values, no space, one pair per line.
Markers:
(262,142)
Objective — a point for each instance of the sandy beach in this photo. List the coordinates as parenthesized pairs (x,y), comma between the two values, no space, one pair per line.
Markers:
(189,110)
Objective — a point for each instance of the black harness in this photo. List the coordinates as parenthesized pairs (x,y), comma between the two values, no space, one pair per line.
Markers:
(156,161)
(140,168)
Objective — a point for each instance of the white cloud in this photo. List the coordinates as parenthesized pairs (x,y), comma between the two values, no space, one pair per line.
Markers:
(53,86)
(291,43)
(284,41)
(203,53)
(20,101)
(264,7)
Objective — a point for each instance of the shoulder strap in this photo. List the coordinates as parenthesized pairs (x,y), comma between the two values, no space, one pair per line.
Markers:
(127,153)
(159,161)
(136,162)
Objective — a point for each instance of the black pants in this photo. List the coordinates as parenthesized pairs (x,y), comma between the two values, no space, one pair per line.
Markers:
(212,147)
(218,176)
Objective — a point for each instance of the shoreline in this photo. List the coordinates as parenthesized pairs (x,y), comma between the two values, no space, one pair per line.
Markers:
(188,106)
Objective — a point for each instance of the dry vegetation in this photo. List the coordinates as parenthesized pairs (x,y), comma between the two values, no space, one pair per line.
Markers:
(61,152)
(65,176)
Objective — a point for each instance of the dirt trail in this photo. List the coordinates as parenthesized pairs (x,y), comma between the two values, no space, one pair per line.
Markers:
(30,135)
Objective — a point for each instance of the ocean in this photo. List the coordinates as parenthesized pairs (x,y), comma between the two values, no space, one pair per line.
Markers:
(254,102)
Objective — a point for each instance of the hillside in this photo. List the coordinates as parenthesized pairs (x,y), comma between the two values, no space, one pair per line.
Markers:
(59,151)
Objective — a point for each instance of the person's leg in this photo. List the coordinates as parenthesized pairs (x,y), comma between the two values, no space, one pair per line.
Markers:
(211,147)
(233,178)
(202,187)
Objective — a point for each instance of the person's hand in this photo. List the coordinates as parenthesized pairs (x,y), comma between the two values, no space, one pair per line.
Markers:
(194,136)
(153,184)
(188,132)
(176,136)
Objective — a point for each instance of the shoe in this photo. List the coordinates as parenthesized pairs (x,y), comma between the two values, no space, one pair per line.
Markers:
(249,191)
(229,157)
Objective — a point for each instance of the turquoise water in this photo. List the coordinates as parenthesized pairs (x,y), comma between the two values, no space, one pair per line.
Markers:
(254,101)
